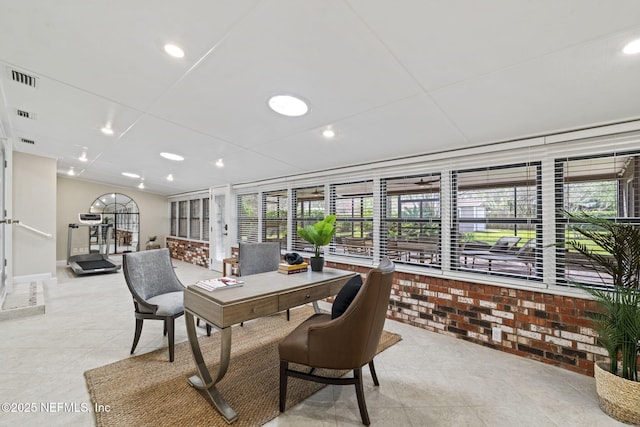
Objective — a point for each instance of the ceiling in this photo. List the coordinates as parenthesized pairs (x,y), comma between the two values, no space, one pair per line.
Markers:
(391,78)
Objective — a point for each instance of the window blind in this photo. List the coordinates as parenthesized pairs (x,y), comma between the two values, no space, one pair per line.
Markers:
(309,205)
(353,205)
(410,223)
(604,186)
(247,217)
(497,220)
(275,212)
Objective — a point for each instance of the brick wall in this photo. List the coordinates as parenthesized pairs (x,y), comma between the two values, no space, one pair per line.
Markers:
(549,328)
(189,251)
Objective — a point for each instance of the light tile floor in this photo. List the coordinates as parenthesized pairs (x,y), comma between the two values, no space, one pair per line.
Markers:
(426,380)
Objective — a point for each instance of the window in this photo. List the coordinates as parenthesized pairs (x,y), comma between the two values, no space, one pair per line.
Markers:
(182,218)
(352,204)
(602,186)
(309,203)
(410,224)
(189,217)
(194,219)
(205,219)
(173,219)
(497,220)
(274,222)
(247,217)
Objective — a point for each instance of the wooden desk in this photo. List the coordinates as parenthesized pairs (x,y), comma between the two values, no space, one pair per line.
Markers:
(262,295)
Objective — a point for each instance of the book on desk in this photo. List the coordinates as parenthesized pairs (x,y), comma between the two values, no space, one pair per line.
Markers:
(285,268)
(219,283)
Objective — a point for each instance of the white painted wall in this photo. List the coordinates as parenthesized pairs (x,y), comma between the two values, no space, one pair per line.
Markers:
(33,204)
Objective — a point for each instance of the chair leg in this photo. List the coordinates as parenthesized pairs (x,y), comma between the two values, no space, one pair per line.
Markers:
(208,327)
(357,375)
(165,328)
(288,314)
(283,384)
(373,373)
(169,323)
(136,337)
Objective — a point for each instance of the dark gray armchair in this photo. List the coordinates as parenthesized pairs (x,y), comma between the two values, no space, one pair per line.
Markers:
(157,292)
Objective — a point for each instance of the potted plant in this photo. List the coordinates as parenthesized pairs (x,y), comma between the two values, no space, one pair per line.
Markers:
(319,235)
(617,318)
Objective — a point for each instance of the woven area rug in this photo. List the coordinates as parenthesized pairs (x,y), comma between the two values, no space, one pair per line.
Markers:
(148,390)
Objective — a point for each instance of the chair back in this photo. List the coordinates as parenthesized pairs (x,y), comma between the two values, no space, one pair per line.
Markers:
(505,244)
(254,258)
(351,340)
(150,273)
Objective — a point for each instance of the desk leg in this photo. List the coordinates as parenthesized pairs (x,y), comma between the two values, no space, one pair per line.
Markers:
(203,380)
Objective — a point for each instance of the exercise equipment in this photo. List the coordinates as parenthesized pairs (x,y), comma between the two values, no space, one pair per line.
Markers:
(97,259)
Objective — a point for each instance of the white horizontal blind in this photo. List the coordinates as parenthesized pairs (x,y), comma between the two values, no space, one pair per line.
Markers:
(352,204)
(411,219)
(205,219)
(309,209)
(194,219)
(275,211)
(182,218)
(493,205)
(604,186)
(173,206)
(247,215)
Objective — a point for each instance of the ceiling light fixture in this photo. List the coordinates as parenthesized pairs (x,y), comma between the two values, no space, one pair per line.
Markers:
(107,130)
(173,50)
(220,163)
(131,175)
(83,157)
(141,185)
(171,156)
(170,177)
(288,105)
(71,171)
(328,133)
(632,47)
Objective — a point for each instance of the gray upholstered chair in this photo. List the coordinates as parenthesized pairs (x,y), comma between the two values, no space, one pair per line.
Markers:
(254,258)
(348,341)
(157,292)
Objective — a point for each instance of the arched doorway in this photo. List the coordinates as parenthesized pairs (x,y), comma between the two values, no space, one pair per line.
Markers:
(121,211)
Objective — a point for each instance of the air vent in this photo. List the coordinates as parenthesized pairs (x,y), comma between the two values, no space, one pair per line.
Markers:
(26,114)
(27,141)
(23,78)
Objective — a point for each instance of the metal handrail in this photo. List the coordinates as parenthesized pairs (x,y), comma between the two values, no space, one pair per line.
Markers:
(35,230)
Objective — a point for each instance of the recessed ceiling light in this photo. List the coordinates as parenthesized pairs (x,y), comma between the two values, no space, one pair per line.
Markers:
(107,130)
(71,172)
(174,50)
(632,47)
(220,163)
(288,105)
(171,156)
(131,175)
(83,157)
(170,177)
(328,133)
(141,185)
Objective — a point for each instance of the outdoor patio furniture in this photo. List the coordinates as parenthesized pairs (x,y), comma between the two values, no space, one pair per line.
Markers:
(504,246)
(526,255)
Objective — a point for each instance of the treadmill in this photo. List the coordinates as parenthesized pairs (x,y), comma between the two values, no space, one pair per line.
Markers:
(96,261)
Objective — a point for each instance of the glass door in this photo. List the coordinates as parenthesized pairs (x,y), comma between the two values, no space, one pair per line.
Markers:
(220,229)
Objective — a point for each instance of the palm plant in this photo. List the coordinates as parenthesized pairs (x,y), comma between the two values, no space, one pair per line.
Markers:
(617,320)
(319,234)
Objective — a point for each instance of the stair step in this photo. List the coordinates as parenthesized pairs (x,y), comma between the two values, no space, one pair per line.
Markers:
(26,299)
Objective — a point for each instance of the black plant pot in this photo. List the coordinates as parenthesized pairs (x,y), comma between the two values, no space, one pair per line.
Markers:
(317,263)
